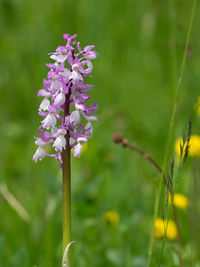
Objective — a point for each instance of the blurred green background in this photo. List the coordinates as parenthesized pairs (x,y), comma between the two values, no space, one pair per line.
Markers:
(134,87)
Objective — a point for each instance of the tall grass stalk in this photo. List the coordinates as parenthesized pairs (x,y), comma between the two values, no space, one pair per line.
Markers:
(171,130)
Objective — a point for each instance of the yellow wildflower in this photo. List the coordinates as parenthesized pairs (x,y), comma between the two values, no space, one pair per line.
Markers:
(180,201)
(194,146)
(160,228)
(197,107)
(111,217)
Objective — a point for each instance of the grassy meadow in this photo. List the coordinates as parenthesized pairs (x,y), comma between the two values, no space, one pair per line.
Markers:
(141,46)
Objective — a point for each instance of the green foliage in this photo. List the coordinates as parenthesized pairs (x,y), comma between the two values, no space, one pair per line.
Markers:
(133,86)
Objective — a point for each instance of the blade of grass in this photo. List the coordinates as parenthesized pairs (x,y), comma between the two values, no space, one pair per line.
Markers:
(14,203)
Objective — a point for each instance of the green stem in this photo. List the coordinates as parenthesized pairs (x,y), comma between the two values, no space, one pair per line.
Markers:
(66,197)
(66,157)
(170,134)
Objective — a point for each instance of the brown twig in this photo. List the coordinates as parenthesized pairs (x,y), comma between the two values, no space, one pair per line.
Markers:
(119,139)
(144,155)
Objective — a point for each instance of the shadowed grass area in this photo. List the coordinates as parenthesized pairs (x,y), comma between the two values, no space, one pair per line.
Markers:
(132,78)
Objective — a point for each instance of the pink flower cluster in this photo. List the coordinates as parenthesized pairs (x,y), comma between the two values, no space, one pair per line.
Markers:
(65,114)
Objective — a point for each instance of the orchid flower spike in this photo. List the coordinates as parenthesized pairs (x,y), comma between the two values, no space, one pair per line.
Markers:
(63,108)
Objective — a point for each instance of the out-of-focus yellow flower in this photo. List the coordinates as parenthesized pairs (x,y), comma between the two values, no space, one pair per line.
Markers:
(194,146)
(84,147)
(160,228)
(180,201)
(197,107)
(172,232)
(111,217)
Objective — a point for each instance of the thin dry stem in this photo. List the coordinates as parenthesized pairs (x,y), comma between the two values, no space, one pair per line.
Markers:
(126,143)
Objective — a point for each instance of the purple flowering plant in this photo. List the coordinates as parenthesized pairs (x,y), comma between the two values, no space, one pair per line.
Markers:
(67,120)
(64,90)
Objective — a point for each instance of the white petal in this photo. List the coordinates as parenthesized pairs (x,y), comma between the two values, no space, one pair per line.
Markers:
(60,99)
(60,143)
(92,118)
(54,57)
(55,86)
(40,142)
(91,56)
(90,65)
(44,105)
(82,140)
(59,58)
(77,150)
(75,67)
(39,154)
(59,155)
(62,58)
(75,116)
(76,76)
(79,107)
(62,132)
(71,141)
(44,92)
(88,127)
(49,121)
